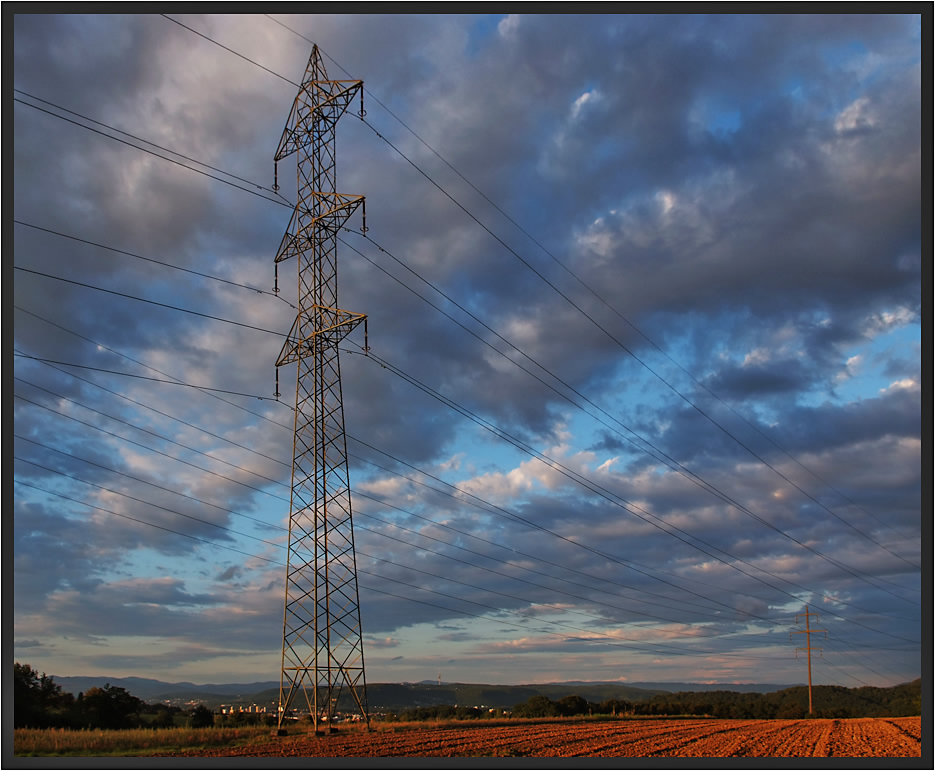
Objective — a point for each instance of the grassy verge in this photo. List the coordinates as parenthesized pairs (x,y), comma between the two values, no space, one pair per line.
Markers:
(29,742)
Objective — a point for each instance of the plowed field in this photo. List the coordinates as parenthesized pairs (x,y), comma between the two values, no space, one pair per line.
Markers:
(865,737)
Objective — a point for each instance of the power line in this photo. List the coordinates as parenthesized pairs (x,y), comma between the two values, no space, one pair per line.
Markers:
(146,482)
(529,449)
(257,397)
(224,528)
(143,522)
(603,301)
(147,503)
(177,381)
(146,141)
(145,431)
(150,259)
(623,347)
(675,465)
(677,651)
(150,302)
(58,472)
(487,507)
(614,339)
(271,480)
(151,449)
(597,489)
(692,474)
(139,377)
(231,50)
(576,477)
(629,565)
(157,155)
(572,303)
(434,552)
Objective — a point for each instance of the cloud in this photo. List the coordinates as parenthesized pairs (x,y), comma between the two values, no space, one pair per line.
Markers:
(678,258)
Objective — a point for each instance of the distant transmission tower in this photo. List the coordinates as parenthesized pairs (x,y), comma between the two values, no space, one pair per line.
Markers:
(808,632)
(322,646)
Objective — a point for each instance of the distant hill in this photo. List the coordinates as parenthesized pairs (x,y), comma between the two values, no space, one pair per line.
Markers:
(705,687)
(157,690)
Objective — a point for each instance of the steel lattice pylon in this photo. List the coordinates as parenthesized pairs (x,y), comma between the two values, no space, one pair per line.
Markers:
(322,645)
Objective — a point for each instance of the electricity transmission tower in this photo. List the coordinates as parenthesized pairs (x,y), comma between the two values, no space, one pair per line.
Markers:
(322,646)
(808,632)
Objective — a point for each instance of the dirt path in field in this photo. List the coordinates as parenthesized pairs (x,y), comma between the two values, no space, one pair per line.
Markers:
(866,737)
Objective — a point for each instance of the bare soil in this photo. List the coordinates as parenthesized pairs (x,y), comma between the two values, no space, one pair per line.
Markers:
(862,737)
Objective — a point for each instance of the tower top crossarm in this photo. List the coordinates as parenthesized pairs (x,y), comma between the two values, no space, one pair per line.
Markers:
(330,99)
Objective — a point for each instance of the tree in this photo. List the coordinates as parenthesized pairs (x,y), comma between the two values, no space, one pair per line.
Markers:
(614,707)
(38,701)
(164,719)
(110,707)
(202,717)
(537,706)
(572,705)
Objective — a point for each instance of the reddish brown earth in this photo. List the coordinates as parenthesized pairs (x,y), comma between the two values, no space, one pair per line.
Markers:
(862,737)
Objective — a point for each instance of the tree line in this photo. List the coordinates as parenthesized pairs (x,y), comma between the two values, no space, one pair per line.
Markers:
(829,701)
(790,703)
(40,702)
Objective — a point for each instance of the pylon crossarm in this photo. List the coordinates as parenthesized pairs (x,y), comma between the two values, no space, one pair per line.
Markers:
(295,343)
(340,208)
(337,101)
(298,128)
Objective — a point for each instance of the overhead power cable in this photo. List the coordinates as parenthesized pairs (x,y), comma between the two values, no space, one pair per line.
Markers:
(615,340)
(625,506)
(464,496)
(151,152)
(145,431)
(233,532)
(157,262)
(609,496)
(383,503)
(211,392)
(564,296)
(231,50)
(140,377)
(669,648)
(700,480)
(148,142)
(734,566)
(623,347)
(592,636)
(486,506)
(665,459)
(149,483)
(151,449)
(214,544)
(174,380)
(602,300)
(475,566)
(226,529)
(151,302)
(641,613)
(605,302)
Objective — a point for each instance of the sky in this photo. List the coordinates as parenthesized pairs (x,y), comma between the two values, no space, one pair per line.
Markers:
(644,315)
